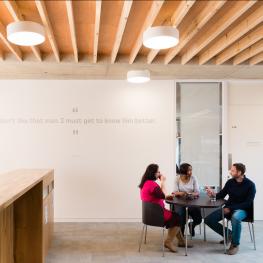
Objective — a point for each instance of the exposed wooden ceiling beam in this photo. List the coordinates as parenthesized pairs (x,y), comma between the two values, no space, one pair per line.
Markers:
(248,53)
(122,23)
(233,35)
(256,59)
(150,17)
(49,31)
(72,29)
(96,30)
(230,16)
(240,45)
(14,49)
(181,12)
(17,16)
(176,19)
(194,27)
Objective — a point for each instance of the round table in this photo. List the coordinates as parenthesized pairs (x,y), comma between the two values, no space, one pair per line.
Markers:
(201,202)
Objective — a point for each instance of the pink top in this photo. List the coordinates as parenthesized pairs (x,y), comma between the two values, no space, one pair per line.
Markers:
(151,192)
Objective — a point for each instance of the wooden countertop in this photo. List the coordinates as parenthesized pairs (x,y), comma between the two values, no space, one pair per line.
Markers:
(15,183)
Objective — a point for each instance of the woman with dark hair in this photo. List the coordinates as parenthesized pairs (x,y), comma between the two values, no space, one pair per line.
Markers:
(152,192)
(187,184)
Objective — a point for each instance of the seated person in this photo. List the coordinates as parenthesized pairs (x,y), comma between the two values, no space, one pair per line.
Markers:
(241,192)
(152,192)
(186,183)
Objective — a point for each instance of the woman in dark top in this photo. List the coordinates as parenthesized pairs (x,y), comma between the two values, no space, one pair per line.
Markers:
(152,192)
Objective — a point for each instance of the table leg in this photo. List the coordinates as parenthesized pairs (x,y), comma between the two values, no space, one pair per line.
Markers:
(204,225)
(186,221)
(224,227)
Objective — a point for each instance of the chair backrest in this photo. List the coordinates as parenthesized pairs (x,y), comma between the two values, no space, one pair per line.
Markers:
(152,214)
(250,214)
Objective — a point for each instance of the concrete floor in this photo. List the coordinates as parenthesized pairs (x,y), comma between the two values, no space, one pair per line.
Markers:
(118,242)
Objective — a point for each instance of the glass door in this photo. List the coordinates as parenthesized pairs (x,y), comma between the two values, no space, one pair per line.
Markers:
(199,129)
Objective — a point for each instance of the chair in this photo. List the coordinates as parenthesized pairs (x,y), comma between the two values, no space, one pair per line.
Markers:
(152,215)
(250,220)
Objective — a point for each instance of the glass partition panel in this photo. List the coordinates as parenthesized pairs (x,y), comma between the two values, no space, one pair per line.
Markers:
(199,129)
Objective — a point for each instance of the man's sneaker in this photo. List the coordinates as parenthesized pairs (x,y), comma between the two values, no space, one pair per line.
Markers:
(232,250)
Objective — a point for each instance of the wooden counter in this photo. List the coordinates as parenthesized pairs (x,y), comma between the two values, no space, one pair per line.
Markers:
(26,215)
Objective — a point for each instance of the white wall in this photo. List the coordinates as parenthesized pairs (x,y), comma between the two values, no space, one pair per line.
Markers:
(246,131)
(97,171)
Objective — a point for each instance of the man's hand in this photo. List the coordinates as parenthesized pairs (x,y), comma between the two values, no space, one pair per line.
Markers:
(226,210)
(209,192)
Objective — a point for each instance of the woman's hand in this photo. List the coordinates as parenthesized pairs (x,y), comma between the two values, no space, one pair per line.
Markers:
(162,178)
(169,197)
(179,194)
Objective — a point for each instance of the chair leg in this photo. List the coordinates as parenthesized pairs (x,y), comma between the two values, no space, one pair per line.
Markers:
(140,244)
(251,238)
(163,240)
(253,232)
(227,229)
(145,234)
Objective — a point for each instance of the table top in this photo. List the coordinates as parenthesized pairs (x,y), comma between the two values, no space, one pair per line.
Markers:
(201,201)
(15,183)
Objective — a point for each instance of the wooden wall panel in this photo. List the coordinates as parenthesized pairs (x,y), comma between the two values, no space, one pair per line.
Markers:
(28,219)
(6,235)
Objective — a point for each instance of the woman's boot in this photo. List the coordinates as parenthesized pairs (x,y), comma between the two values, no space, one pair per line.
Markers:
(171,236)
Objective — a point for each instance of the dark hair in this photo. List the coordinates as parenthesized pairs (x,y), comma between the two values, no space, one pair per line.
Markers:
(149,174)
(177,169)
(240,167)
(184,168)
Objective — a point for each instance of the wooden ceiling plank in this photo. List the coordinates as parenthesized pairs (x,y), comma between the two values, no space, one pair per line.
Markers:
(248,53)
(151,55)
(14,49)
(122,23)
(256,59)
(70,14)
(233,35)
(49,31)
(150,17)
(230,16)
(17,16)
(181,12)
(176,19)
(96,30)
(240,45)
(1,55)
(196,25)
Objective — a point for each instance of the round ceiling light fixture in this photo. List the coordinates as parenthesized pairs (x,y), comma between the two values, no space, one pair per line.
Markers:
(161,37)
(25,33)
(138,76)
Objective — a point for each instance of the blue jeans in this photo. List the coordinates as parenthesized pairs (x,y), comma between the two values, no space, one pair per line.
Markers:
(236,218)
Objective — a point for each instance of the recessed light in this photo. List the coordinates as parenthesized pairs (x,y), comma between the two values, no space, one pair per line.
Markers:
(138,76)
(161,37)
(25,33)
